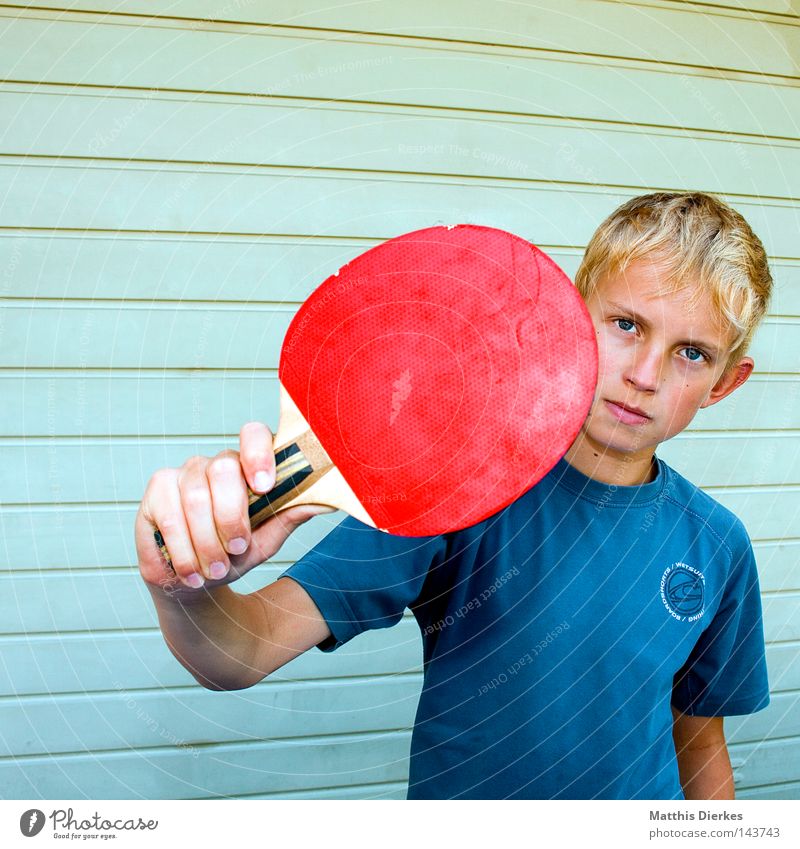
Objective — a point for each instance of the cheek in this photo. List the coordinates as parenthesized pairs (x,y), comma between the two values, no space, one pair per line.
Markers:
(605,347)
(612,356)
(686,398)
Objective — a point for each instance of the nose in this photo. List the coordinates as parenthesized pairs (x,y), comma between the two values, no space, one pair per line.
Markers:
(644,370)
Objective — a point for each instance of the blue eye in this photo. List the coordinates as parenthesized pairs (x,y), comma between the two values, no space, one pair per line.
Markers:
(625,324)
(694,355)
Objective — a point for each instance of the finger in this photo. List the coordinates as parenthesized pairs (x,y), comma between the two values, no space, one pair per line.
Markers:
(229,501)
(151,562)
(268,538)
(164,510)
(155,571)
(298,515)
(197,509)
(257,457)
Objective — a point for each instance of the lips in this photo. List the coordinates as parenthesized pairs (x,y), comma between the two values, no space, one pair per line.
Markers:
(626,414)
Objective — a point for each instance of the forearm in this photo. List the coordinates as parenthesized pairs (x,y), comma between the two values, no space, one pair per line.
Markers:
(705,772)
(214,634)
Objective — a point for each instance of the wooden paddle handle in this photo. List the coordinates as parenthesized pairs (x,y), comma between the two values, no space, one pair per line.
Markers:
(298,466)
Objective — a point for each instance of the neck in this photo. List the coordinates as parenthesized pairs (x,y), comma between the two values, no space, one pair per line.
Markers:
(612,467)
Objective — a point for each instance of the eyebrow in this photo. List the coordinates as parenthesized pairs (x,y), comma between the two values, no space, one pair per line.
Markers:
(713,350)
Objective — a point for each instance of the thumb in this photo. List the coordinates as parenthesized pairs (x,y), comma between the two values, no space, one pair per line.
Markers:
(267,539)
(298,515)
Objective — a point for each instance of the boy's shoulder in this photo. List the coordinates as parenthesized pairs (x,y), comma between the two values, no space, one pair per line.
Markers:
(698,507)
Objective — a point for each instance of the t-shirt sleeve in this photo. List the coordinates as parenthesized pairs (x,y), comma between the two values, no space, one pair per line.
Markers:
(726,672)
(362,578)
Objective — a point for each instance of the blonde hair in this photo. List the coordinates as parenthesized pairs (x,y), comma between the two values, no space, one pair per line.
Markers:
(704,246)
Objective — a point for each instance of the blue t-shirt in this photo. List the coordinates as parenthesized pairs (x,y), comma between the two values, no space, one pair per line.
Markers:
(558,632)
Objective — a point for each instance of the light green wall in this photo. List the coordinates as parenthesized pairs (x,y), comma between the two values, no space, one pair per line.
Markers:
(172,189)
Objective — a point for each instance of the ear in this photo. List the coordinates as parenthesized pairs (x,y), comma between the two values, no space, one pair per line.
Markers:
(731,379)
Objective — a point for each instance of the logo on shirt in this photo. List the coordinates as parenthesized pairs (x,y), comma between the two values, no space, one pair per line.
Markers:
(683,592)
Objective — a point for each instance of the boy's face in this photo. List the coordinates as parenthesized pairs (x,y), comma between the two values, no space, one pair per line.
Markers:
(659,362)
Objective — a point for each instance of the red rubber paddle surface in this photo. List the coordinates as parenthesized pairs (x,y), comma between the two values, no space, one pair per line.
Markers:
(445,372)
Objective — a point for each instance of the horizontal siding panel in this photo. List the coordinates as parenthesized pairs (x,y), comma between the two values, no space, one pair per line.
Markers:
(774,346)
(765,402)
(779,564)
(195,716)
(220,199)
(62,537)
(788,790)
(781,621)
(735,460)
(167,268)
(123,403)
(78,663)
(72,473)
(786,293)
(85,600)
(365,68)
(211,771)
(138,404)
(647,31)
(780,719)
(144,337)
(75,602)
(82,663)
(223,269)
(765,762)
(393,790)
(376,140)
(783,660)
(767,512)
(787,8)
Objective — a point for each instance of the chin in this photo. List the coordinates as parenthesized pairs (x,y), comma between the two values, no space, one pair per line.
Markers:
(623,444)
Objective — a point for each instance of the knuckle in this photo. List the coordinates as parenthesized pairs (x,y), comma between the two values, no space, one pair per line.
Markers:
(216,552)
(163,476)
(195,462)
(195,498)
(169,525)
(255,437)
(186,568)
(225,464)
(227,454)
(230,526)
(184,560)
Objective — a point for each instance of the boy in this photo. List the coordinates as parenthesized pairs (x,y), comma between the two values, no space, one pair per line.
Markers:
(586,641)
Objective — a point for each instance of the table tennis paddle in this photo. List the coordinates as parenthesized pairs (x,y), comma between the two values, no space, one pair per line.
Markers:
(430,382)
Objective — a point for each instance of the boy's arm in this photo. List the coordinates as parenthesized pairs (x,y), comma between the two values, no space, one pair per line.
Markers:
(229,641)
(703,763)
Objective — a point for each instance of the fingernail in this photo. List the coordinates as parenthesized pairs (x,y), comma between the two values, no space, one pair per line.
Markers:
(218,570)
(263,481)
(194,580)
(237,546)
